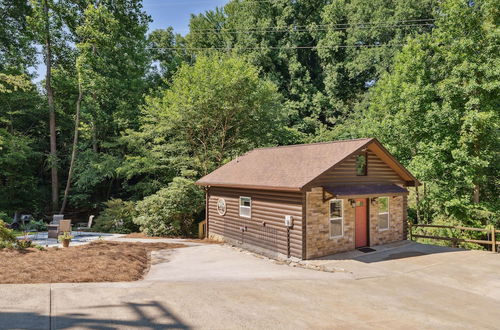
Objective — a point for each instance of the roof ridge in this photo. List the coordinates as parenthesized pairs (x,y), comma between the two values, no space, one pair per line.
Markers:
(310,144)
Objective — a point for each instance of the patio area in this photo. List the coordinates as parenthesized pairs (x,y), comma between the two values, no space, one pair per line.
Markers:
(79,238)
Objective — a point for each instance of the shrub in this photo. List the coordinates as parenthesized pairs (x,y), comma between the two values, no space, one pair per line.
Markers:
(6,234)
(117,217)
(171,210)
(5,217)
(23,244)
(39,225)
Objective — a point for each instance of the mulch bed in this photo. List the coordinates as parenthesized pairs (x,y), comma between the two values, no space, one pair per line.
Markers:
(142,235)
(93,262)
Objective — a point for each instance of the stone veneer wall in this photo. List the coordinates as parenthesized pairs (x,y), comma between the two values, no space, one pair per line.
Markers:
(318,241)
(397,219)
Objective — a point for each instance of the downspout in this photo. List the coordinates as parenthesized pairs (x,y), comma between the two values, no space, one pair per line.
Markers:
(206,210)
(304,215)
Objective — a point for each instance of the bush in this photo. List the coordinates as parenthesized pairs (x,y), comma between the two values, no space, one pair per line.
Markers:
(8,239)
(33,225)
(7,245)
(24,244)
(5,218)
(6,235)
(117,217)
(172,210)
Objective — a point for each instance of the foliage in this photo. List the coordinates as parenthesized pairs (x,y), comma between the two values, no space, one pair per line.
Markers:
(6,234)
(421,76)
(8,239)
(172,210)
(437,110)
(39,225)
(450,233)
(23,244)
(117,217)
(11,83)
(5,218)
(319,86)
(65,236)
(214,110)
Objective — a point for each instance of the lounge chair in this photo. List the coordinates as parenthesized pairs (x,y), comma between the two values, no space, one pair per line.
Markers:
(82,226)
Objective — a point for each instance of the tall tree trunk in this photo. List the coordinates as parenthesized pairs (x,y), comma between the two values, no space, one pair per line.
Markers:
(52,112)
(475,197)
(75,147)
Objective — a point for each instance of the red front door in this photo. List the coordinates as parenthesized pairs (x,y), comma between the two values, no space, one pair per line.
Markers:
(361,223)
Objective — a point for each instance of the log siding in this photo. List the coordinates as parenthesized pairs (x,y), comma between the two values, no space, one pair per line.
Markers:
(345,173)
(265,228)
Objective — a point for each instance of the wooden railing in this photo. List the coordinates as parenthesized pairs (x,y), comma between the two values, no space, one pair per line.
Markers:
(455,240)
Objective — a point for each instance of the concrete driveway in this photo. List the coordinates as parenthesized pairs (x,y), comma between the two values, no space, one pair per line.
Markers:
(218,287)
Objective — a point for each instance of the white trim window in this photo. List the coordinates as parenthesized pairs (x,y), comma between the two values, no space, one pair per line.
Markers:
(336,218)
(245,207)
(383,213)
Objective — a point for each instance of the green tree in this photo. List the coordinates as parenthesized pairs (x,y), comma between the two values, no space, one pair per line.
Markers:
(168,50)
(355,40)
(437,110)
(110,64)
(214,110)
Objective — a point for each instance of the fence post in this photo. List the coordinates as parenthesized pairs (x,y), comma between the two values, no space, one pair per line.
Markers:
(409,229)
(493,240)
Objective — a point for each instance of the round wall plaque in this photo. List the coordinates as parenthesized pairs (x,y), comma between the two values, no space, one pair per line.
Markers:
(221,206)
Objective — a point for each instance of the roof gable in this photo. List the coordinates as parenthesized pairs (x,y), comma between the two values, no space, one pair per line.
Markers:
(285,168)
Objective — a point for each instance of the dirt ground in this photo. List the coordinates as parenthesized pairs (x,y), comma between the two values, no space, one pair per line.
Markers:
(209,286)
(141,235)
(94,262)
(187,239)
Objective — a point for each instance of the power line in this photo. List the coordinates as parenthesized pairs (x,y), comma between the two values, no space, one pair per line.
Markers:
(312,29)
(166,4)
(275,48)
(426,21)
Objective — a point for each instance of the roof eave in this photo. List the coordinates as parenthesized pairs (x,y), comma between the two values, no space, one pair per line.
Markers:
(245,186)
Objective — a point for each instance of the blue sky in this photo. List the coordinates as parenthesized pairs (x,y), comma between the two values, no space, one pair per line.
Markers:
(176,13)
(165,13)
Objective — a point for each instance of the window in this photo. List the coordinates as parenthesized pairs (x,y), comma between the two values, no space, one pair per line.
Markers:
(361,164)
(245,207)
(336,218)
(383,213)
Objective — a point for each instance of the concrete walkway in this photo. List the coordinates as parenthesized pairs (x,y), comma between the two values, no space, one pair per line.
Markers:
(218,287)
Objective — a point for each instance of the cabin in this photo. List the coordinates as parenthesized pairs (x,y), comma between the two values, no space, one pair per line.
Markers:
(311,200)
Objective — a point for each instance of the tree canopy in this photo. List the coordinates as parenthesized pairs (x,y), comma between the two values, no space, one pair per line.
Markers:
(125,116)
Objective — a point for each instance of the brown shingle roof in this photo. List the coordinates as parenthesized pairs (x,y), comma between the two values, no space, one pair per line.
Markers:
(284,168)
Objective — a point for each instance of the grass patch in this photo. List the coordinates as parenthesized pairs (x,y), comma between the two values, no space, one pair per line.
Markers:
(21,233)
(94,262)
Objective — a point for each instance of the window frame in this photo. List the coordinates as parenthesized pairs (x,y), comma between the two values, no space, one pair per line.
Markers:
(365,172)
(341,218)
(245,207)
(388,215)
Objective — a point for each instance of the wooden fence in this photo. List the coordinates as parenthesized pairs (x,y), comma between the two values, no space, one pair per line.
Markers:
(455,240)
